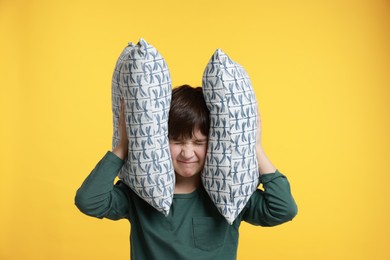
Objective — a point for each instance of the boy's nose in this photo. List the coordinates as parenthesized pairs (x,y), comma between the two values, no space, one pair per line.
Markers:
(187,152)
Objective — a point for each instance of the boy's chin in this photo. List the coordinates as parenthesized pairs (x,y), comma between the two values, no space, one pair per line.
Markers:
(187,174)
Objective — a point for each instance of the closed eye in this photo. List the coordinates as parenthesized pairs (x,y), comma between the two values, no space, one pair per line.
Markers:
(176,142)
(201,142)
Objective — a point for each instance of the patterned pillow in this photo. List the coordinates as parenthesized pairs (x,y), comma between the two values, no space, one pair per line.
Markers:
(230,175)
(141,77)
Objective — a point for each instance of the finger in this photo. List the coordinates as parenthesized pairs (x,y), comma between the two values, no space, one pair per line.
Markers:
(122,114)
(258,116)
(122,106)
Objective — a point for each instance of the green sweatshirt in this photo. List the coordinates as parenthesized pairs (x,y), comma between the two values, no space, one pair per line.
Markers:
(194,229)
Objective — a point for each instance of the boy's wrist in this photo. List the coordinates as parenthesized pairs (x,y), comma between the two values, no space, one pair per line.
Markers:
(265,165)
(259,149)
(120,151)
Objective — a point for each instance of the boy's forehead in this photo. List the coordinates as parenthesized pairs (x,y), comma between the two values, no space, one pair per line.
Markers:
(196,136)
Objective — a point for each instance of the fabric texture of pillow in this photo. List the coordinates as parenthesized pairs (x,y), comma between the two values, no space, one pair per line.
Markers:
(230,175)
(142,78)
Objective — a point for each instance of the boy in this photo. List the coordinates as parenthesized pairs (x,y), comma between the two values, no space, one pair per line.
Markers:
(194,229)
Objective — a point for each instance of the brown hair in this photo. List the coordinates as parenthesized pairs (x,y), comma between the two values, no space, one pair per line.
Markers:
(188,113)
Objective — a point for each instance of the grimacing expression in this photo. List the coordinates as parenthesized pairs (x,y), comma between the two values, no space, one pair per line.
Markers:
(188,155)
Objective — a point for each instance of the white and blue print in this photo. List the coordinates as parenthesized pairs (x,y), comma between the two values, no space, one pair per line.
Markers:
(141,77)
(230,175)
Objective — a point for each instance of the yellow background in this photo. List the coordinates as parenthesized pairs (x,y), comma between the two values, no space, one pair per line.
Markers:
(321,74)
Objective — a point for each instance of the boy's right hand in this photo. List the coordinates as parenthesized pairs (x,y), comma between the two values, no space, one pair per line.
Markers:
(121,149)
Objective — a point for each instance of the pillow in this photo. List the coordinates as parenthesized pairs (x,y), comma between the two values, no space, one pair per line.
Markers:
(230,174)
(141,77)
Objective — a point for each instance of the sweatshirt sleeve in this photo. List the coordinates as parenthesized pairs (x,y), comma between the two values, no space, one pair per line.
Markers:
(98,196)
(273,206)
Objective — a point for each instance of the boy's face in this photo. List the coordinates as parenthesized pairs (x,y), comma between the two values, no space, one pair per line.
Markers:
(188,155)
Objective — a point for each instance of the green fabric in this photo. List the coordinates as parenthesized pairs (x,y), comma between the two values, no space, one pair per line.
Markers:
(194,229)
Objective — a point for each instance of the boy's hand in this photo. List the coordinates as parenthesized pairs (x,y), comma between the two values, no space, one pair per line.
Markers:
(121,149)
(265,165)
(258,134)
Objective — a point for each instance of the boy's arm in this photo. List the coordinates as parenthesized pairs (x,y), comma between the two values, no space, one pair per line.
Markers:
(98,197)
(265,165)
(275,205)
(121,149)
